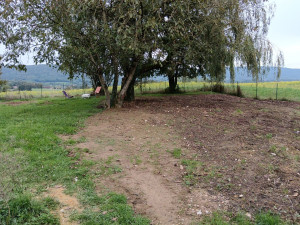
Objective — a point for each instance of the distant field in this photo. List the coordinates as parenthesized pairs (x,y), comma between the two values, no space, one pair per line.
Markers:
(267,90)
(38,93)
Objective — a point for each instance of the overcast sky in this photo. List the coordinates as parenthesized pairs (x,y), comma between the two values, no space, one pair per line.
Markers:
(284,32)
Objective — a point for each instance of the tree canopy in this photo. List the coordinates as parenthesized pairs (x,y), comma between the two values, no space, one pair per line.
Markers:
(112,39)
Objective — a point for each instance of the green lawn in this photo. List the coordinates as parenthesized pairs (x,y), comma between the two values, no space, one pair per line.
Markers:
(33,157)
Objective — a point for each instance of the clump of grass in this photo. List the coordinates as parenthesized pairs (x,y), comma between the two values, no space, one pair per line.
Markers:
(136,160)
(22,209)
(269,219)
(193,168)
(50,203)
(108,167)
(176,153)
(113,209)
(238,112)
(269,136)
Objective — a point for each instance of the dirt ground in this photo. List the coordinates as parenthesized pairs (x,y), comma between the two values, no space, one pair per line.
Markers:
(236,155)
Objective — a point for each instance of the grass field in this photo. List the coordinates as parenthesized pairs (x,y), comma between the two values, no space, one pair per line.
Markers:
(33,157)
(265,90)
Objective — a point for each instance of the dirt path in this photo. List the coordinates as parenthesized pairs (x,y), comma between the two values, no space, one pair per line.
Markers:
(140,144)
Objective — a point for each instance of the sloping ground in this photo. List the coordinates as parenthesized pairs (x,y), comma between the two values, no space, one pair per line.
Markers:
(178,158)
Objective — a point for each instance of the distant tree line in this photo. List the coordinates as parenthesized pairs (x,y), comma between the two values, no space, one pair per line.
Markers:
(129,40)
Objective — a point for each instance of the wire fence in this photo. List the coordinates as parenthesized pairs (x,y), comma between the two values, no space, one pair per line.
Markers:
(264,90)
(40,93)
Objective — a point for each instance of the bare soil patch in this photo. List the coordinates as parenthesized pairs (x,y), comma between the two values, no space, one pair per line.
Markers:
(68,204)
(248,151)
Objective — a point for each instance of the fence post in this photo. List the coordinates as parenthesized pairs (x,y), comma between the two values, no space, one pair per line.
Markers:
(256,89)
(277,92)
(41,90)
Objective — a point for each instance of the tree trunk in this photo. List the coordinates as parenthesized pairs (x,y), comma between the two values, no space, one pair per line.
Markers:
(130,76)
(106,91)
(114,93)
(129,97)
(172,83)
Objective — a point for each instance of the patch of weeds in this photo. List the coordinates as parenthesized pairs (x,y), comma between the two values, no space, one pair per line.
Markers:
(113,209)
(70,142)
(215,219)
(154,155)
(253,127)
(269,136)
(193,169)
(22,209)
(111,142)
(269,218)
(82,139)
(212,173)
(278,151)
(285,191)
(88,163)
(108,166)
(297,158)
(238,112)
(176,153)
(86,150)
(50,203)
(271,168)
(136,160)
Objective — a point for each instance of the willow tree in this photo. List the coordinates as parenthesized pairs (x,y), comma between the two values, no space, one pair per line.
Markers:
(112,39)
(221,35)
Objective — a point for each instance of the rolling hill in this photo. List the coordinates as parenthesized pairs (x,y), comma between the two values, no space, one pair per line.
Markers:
(47,75)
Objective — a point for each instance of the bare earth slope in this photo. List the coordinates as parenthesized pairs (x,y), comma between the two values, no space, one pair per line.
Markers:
(236,155)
